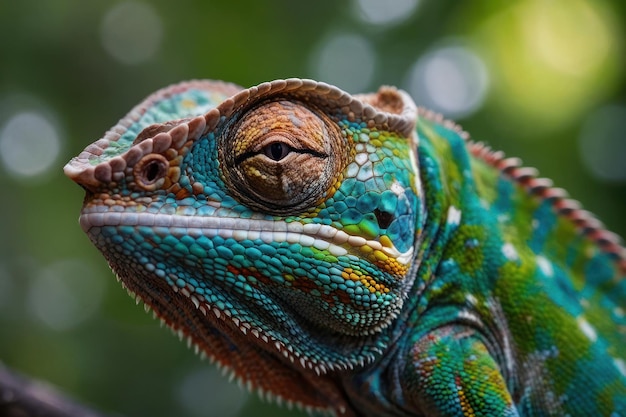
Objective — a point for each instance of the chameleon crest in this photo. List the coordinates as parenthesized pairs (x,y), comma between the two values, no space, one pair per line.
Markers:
(355,255)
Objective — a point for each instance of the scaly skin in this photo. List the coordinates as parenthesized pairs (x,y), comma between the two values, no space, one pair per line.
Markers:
(358,256)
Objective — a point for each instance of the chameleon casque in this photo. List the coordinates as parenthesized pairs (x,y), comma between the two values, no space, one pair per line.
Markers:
(356,255)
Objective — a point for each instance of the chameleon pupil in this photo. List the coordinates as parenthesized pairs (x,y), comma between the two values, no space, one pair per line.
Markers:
(276,151)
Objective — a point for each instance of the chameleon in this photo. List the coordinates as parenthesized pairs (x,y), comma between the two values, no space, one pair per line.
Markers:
(358,255)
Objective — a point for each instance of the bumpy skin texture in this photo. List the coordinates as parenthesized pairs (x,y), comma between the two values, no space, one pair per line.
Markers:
(357,256)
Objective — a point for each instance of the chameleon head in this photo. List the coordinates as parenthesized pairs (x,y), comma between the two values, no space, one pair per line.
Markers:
(268,211)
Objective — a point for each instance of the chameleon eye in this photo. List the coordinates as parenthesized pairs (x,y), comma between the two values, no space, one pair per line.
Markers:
(150,171)
(282,157)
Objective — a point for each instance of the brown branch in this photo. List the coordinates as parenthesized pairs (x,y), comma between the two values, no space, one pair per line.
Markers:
(24,397)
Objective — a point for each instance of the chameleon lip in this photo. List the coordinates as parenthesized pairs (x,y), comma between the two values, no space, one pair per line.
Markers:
(319,236)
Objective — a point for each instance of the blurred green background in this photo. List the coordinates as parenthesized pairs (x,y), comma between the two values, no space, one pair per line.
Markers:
(542,80)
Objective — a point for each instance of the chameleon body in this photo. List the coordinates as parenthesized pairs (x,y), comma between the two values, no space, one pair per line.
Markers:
(356,255)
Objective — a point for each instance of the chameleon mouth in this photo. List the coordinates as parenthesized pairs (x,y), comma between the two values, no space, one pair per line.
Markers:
(318,236)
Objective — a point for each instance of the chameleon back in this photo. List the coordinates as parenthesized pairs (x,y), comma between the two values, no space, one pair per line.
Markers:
(539,274)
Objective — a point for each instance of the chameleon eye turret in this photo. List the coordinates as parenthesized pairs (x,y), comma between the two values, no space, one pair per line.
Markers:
(357,256)
(283,158)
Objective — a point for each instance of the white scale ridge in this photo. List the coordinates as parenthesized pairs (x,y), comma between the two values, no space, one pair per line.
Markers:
(319,236)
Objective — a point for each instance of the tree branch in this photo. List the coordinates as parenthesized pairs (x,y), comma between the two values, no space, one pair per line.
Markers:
(24,397)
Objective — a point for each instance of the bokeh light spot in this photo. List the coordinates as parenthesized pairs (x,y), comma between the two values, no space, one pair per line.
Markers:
(602,143)
(65,294)
(29,144)
(203,392)
(131,32)
(346,61)
(551,60)
(379,12)
(559,41)
(452,80)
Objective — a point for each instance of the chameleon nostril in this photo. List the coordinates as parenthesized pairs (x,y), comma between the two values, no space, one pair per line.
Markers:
(150,171)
